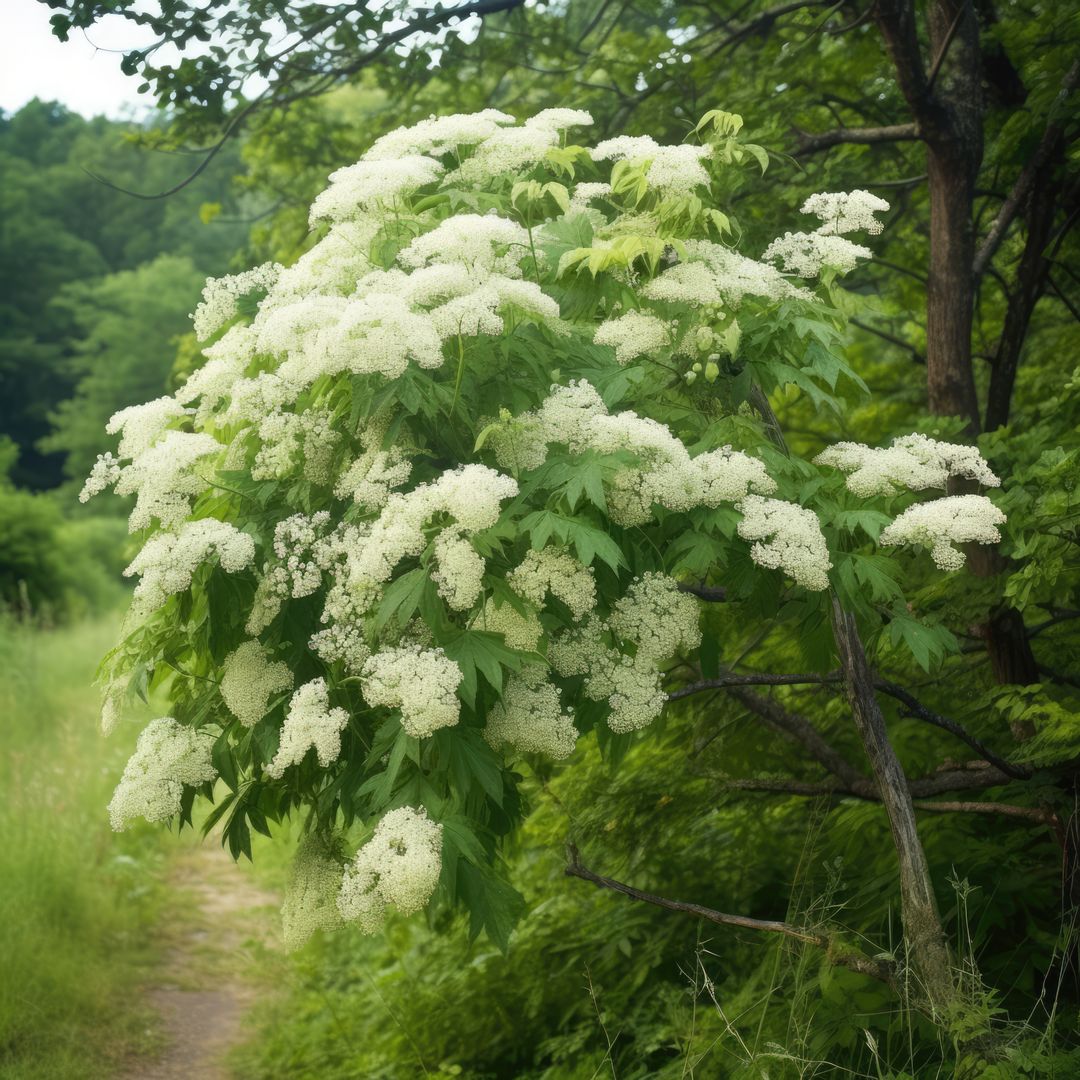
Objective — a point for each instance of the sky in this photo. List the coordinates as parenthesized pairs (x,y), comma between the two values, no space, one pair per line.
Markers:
(86,79)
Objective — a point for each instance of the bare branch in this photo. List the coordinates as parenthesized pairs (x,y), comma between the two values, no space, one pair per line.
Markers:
(810,143)
(810,790)
(842,954)
(899,342)
(798,728)
(1039,159)
(273,96)
(935,67)
(713,594)
(916,709)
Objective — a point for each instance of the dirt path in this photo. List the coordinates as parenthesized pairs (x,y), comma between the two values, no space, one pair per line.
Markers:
(201,993)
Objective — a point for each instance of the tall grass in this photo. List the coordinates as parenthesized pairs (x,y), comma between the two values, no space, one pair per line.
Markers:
(76,902)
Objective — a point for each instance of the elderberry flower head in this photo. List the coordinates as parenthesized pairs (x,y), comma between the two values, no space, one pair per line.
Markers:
(250,680)
(399,866)
(421,682)
(310,722)
(944,523)
(168,757)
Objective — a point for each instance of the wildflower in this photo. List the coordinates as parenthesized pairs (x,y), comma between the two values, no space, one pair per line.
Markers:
(168,757)
(310,722)
(399,866)
(944,523)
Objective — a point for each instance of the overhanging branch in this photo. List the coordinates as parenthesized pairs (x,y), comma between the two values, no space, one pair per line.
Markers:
(839,953)
(810,143)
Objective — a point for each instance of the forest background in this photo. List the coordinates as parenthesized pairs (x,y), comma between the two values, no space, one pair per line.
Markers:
(97,285)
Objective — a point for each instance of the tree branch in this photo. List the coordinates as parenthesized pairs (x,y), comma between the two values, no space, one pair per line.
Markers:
(811,790)
(810,143)
(1039,159)
(916,709)
(713,594)
(839,953)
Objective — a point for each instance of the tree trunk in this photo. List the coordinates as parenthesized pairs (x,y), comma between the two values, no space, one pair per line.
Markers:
(952,124)
(923,933)
(950,290)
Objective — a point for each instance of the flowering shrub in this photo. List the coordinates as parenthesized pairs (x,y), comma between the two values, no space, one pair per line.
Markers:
(448,489)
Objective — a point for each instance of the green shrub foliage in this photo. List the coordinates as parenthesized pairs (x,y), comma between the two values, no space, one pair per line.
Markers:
(452,491)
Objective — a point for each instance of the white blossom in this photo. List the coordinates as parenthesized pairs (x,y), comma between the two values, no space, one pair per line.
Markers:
(105,473)
(168,561)
(220,295)
(806,254)
(164,479)
(913,463)
(555,571)
(529,717)
(944,523)
(438,135)
(675,170)
(846,211)
(398,866)
(521,631)
(168,757)
(421,682)
(310,722)
(459,571)
(363,186)
(632,335)
(141,425)
(310,902)
(249,681)
(786,537)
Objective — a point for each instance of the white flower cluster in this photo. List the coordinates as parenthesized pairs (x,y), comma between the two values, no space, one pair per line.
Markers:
(913,463)
(633,334)
(369,480)
(296,569)
(168,561)
(363,564)
(576,416)
(249,681)
(713,275)
(806,254)
(310,902)
(786,537)
(421,682)
(654,619)
(555,571)
(220,295)
(164,480)
(672,170)
(843,212)
(944,523)
(286,436)
(367,184)
(105,473)
(399,866)
(529,717)
(309,723)
(167,757)
(521,631)
(140,426)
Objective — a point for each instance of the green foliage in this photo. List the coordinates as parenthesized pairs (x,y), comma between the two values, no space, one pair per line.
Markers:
(76,906)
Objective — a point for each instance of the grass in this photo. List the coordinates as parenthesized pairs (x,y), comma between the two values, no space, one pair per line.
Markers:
(76,902)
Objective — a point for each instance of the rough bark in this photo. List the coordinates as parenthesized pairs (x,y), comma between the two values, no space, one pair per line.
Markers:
(923,933)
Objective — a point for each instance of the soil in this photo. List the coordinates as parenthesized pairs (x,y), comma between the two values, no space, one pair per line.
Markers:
(200,990)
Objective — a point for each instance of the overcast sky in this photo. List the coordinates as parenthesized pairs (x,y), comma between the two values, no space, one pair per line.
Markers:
(78,73)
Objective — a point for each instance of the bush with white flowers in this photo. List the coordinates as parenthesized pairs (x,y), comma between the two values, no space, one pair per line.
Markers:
(441,497)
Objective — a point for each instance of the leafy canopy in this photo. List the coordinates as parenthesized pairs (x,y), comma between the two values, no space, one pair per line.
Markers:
(447,491)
